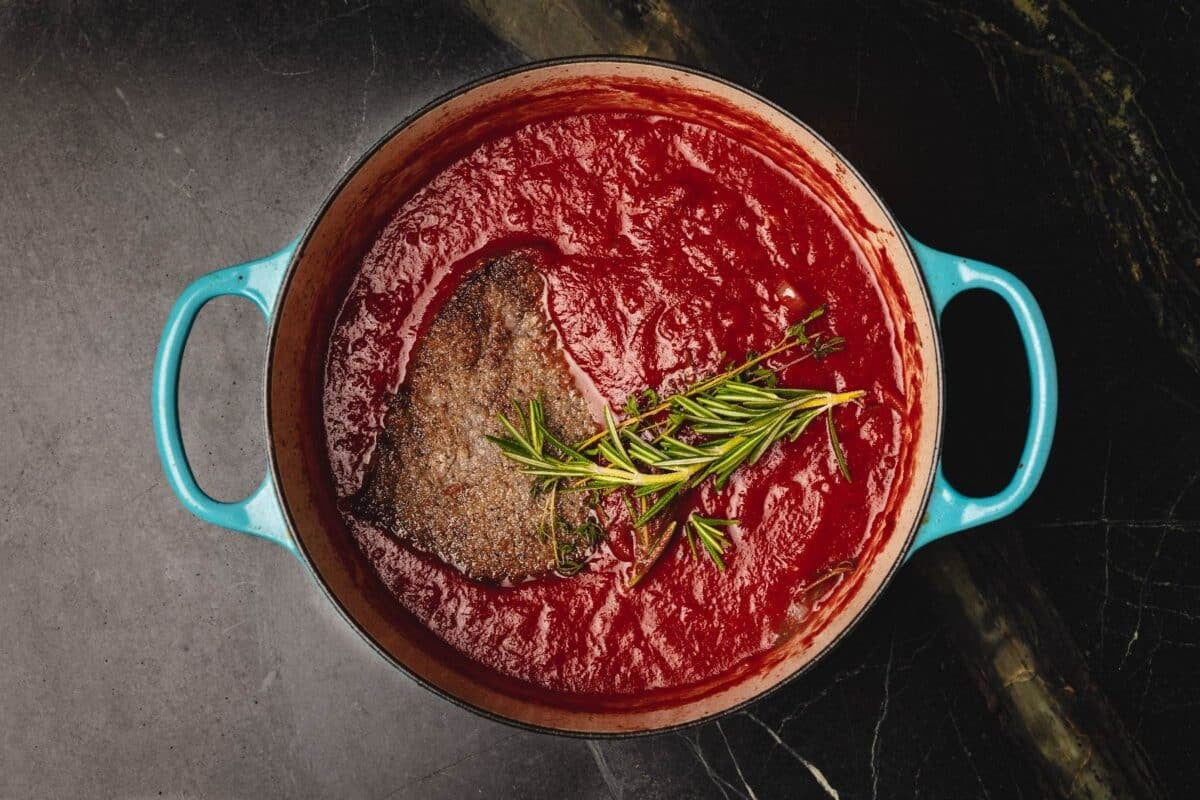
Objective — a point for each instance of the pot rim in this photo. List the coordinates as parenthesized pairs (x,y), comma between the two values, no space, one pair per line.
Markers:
(432,105)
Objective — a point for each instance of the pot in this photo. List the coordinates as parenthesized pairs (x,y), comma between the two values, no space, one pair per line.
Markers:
(300,289)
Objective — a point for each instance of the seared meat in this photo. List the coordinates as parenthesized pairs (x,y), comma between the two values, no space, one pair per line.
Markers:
(435,481)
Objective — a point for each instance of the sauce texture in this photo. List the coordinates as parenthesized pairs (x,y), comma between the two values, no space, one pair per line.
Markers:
(669,250)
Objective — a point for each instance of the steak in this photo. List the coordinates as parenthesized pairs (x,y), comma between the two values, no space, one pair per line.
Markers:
(435,481)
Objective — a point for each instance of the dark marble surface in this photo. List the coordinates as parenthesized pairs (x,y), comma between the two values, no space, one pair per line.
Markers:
(141,145)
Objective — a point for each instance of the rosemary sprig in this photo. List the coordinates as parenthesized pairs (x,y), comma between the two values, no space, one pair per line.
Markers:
(816,345)
(711,537)
(738,420)
(708,431)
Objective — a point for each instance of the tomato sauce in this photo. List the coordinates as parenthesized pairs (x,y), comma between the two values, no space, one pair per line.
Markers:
(669,250)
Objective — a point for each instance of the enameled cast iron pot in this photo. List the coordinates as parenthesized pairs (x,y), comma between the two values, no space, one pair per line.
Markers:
(300,289)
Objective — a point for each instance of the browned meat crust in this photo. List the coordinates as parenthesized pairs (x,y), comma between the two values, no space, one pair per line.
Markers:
(435,481)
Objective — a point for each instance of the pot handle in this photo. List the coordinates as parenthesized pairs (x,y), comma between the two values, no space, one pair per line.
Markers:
(947,276)
(258,514)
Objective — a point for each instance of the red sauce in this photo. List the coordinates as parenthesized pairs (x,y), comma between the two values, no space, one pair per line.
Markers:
(669,249)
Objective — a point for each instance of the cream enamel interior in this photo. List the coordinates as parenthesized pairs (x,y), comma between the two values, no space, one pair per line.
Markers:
(320,275)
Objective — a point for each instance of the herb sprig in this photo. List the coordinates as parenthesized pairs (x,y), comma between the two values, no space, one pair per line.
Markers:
(708,431)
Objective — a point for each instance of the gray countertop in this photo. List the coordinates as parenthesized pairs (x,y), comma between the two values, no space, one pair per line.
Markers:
(144,653)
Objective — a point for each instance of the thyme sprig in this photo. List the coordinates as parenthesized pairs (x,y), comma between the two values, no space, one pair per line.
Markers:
(708,431)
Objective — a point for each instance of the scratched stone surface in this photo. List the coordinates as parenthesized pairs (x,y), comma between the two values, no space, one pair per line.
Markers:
(145,654)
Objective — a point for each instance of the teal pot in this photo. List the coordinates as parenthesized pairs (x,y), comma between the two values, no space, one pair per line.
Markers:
(300,290)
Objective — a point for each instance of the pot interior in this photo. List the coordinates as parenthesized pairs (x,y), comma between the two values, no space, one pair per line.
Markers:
(329,257)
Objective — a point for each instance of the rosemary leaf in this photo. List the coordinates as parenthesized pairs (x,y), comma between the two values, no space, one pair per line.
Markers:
(836,445)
